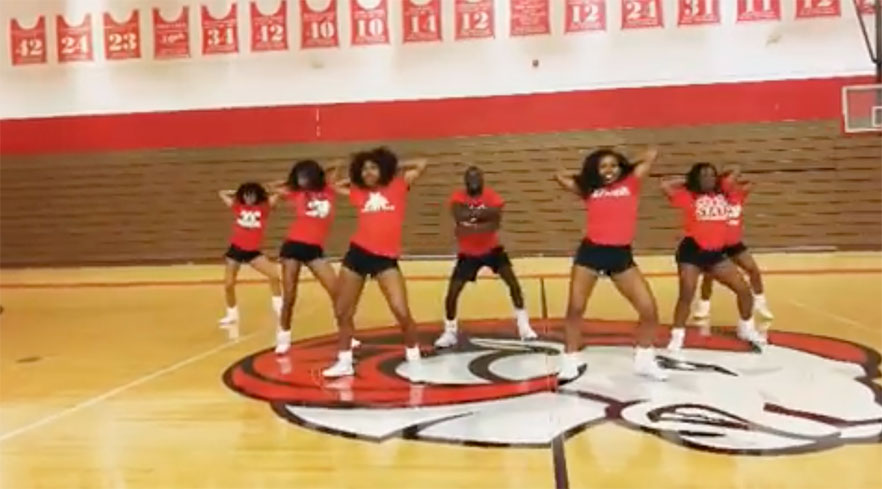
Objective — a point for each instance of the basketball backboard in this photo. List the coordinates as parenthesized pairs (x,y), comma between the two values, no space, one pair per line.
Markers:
(862,108)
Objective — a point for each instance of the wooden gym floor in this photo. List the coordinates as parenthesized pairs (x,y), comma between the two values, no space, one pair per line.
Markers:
(115,377)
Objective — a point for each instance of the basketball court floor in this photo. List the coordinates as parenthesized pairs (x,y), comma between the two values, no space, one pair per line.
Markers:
(121,378)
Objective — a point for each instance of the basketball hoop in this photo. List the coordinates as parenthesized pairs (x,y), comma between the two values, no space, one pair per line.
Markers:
(862,108)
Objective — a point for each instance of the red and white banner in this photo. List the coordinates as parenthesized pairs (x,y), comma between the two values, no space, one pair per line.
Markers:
(269,32)
(28,46)
(74,41)
(753,10)
(866,7)
(220,35)
(529,17)
(640,14)
(370,22)
(474,19)
(806,9)
(122,40)
(585,15)
(421,20)
(698,12)
(318,24)
(171,38)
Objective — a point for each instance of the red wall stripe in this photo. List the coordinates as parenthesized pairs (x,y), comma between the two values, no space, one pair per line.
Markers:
(766,101)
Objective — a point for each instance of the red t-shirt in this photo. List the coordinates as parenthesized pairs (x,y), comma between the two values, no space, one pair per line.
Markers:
(612,213)
(313,214)
(380,217)
(477,244)
(704,217)
(249,225)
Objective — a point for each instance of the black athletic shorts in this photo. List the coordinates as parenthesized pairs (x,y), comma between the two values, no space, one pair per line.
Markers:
(300,251)
(735,249)
(467,266)
(242,256)
(690,252)
(604,259)
(365,263)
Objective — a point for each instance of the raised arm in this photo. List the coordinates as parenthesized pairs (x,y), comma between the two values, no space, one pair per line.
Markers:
(644,164)
(332,174)
(732,171)
(413,169)
(567,180)
(730,178)
(670,185)
(340,185)
(228,196)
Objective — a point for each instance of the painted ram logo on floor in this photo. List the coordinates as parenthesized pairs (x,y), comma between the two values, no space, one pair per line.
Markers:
(802,393)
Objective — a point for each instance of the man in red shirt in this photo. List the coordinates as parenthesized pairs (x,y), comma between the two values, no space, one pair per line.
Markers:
(477,211)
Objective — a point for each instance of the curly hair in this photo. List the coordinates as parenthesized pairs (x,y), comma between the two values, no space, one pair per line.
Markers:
(251,188)
(383,157)
(693,178)
(590,180)
(314,173)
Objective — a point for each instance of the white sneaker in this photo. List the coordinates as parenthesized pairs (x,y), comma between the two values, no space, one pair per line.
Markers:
(231,317)
(704,326)
(645,365)
(701,309)
(569,366)
(447,339)
(413,370)
(341,368)
(677,337)
(283,342)
(524,330)
(413,367)
(762,308)
(747,332)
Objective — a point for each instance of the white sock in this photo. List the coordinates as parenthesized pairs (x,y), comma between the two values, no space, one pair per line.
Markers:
(704,304)
(759,298)
(571,357)
(450,325)
(283,336)
(345,356)
(643,354)
(746,324)
(277,302)
(233,311)
(412,353)
(522,317)
(679,332)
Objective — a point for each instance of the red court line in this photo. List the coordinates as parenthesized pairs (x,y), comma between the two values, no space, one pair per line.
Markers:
(416,278)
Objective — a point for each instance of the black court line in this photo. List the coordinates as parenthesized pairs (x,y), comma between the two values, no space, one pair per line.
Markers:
(543,297)
(559,458)
(558,454)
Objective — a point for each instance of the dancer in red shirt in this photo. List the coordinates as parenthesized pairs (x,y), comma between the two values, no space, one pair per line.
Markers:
(736,191)
(705,213)
(477,211)
(377,188)
(251,207)
(311,194)
(610,186)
